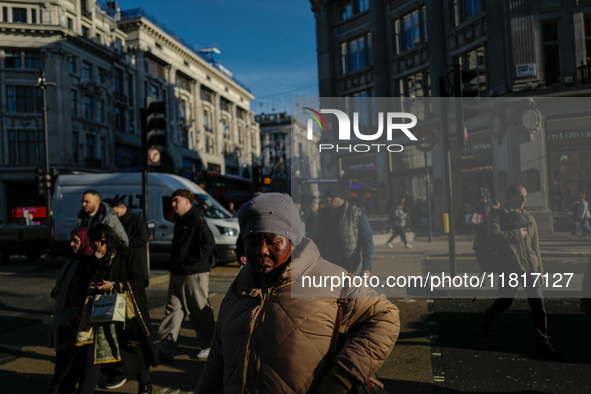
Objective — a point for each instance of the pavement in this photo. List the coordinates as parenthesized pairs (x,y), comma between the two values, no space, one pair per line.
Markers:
(439,350)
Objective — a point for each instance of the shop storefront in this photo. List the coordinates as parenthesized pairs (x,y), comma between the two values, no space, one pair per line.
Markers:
(568,147)
(408,182)
(360,172)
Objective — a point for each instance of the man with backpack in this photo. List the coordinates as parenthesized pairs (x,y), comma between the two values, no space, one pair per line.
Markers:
(513,233)
(343,233)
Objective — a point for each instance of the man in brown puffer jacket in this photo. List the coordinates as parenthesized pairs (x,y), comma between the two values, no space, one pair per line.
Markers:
(268,339)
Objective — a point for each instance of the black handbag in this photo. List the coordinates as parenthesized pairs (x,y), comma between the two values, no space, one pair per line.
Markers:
(370,386)
(131,339)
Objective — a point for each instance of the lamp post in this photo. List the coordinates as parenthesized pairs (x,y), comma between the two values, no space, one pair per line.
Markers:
(43,84)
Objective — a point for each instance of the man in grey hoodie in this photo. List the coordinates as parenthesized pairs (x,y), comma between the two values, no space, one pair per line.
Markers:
(94,211)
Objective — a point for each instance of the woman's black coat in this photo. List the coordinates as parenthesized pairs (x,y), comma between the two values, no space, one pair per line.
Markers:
(126,268)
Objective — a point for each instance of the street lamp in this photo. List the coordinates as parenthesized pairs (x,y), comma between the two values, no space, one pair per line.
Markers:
(43,84)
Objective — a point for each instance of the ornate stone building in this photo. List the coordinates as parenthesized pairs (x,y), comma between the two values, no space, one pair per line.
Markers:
(104,62)
(518,48)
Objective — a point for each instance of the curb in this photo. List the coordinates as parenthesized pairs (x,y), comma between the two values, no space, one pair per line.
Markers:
(578,255)
(159,280)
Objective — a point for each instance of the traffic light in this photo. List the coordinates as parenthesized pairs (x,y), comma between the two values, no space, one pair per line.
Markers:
(267,180)
(461,77)
(257,178)
(41,181)
(154,124)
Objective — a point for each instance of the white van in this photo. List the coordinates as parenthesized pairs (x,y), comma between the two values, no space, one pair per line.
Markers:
(67,202)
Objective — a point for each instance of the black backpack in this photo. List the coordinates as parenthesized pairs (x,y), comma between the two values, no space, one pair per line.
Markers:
(486,254)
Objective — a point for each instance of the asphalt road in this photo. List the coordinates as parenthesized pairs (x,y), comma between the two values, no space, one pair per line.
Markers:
(440,348)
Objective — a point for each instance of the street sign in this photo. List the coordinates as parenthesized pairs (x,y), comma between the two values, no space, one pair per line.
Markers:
(154,155)
(428,139)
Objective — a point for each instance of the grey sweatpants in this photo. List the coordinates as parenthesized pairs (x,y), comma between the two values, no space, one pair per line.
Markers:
(187,295)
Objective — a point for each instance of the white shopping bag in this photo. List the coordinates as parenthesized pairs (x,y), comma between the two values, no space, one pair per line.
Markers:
(108,308)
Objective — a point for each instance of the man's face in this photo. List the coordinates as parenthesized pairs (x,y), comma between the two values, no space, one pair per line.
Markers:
(120,210)
(90,203)
(334,202)
(518,200)
(266,252)
(181,205)
(583,197)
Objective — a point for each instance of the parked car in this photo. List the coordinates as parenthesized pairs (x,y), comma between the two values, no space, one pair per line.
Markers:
(17,239)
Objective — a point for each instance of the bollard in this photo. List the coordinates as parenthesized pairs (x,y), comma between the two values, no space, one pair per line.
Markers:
(446,223)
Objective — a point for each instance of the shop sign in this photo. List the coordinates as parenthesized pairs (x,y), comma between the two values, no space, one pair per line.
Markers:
(568,140)
(525,70)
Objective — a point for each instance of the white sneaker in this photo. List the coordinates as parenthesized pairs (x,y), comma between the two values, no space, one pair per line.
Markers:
(389,244)
(203,354)
(408,246)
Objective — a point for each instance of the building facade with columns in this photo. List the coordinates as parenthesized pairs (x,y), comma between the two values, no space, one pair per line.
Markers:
(517,48)
(104,62)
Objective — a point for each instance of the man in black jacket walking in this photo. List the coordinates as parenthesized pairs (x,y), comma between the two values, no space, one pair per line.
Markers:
(192,243)
(136,229)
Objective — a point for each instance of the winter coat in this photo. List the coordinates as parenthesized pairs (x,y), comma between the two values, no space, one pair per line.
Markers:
(105,214)
(583,210)
(398,217)
(65,317)
(192,243)
(126,268)
(355,235)
(137,232)
(516,254)
(265,340)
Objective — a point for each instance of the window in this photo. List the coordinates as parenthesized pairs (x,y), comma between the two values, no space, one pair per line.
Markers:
(13,59)
(588,38)
(119,119)
(416,86)
(87,70)
(128,158)
(90,148)
(5,14)
(253,140)
(131,125)
(464,10)
(154,91)
(88,107)
(183,83)
(85,32)
(225,105)
(33,16)
(130,88)
(182,112)
(154,68)
(103,149)
(239,131)
(353,54)
(75,146)
(23,99)
(225,129)
(472,8)
(73,64)
(362,5)
(206,124)
(407,30)
(206,95)
(19,15)
(550,42)
(209,144)
(101,76)
(241,113)
(101,110)
(32,60)
(412,30)
(118,45)
(74,102)
(70,24)
(346,9)
(25,147)
(475,60)
(99,38)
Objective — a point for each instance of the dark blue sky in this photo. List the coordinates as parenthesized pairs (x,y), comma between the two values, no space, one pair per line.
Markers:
(268,45)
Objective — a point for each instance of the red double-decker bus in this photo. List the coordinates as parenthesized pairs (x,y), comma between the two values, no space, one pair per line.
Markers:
(225,188)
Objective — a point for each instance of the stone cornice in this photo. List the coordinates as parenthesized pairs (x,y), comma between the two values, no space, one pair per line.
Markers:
(162,37)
